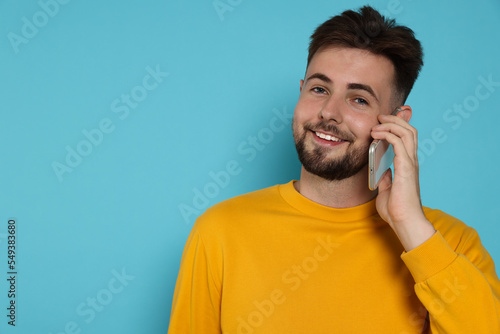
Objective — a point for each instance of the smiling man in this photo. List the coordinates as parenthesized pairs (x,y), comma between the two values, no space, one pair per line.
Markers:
(325,254)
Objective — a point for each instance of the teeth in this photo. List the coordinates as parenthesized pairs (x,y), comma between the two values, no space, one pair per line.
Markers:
(327,137)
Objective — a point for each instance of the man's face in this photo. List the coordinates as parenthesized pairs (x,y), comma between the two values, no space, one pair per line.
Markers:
(343,92)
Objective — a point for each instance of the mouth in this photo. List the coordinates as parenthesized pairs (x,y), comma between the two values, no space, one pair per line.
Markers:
(328,137)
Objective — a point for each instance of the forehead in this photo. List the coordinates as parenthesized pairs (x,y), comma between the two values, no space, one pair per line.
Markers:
(348,65)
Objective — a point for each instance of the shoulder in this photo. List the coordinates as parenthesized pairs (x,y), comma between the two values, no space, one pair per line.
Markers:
(454,231)
(242,204)
(443,220)
(238,210)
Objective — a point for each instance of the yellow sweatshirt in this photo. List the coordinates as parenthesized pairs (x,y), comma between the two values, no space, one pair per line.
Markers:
(274,262)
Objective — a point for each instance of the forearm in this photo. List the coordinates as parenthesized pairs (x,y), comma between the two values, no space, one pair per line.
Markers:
(458,296)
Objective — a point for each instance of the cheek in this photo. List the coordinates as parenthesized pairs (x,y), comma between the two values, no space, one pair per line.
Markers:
(361,126)
(303,110)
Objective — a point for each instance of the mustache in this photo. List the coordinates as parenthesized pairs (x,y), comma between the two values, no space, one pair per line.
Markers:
(330,128)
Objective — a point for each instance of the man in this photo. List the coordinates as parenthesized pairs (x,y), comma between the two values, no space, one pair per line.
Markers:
(325,254)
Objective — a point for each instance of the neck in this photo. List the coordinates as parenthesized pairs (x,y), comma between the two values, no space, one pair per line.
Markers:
(346,193)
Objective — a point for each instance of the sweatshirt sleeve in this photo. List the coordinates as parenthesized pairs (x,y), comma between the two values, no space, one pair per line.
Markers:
(196,302)
(458,287)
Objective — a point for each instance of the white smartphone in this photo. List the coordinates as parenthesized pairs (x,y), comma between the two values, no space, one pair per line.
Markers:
(380,157)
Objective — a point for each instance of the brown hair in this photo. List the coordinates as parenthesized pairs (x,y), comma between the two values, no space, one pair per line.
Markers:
(367,29)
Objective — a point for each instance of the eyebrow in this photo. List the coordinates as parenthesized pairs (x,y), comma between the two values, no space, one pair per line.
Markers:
(319,76)
(366,88)
(353,86)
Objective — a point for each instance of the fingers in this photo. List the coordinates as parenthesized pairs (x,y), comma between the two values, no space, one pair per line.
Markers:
(395,130)
(402,148)
(396,125)
(403,138)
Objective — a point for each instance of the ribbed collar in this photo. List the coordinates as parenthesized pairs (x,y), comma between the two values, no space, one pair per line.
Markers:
(310,208)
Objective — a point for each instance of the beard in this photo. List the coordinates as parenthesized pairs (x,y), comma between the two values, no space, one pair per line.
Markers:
(316,160)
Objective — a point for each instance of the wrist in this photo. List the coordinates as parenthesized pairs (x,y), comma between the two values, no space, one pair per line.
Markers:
(413,234)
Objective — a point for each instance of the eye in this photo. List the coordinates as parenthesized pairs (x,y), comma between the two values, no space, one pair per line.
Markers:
(319,90)
(361,101)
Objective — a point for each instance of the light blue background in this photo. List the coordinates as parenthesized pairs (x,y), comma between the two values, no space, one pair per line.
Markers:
(118,211)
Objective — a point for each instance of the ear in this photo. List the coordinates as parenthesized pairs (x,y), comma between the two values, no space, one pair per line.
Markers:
(301,84)
(405,113)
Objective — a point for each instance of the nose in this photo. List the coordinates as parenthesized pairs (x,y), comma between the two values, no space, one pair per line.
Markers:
(330,110)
